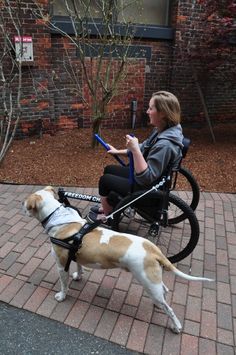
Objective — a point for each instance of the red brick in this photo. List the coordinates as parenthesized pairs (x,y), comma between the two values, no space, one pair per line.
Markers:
(97,276)
(145,309)
(106,288)
(11,290)
(207,346)
(37,276)
(36,299)
(124,280)
(134,295)
(113,272)
(224,316)
(23,295)
(15,269)
(88,292)
(116,301)
(223,293)
(129,310)
(47,306)
(4,281)
(189,345)
(48,262)
(100,301)
(171,343)
(91,319)
(16,228)
(208,325)
(225,336)
(193,311)
(180,293)
(6,248)
(159,317)
(43,251)
(192,328)
(209,300)
(22,245)
(35,232)
(62,309)
(4,237)
(137,336)
(154,340)
(195,288)
(121,330)
(223,349)
(52,276)
(106,324)
(29,268)
(13,220)
(26,255)
(8,260)
(77,313)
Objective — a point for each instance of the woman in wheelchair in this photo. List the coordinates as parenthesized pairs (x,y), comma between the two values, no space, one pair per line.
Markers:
(162,149)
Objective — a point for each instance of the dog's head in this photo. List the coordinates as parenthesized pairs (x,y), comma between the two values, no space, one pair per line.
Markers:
(41,203)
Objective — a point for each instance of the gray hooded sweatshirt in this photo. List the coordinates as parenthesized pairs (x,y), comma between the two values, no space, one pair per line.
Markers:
(160,151)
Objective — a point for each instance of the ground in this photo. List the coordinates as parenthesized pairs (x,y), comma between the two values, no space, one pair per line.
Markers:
(67,159)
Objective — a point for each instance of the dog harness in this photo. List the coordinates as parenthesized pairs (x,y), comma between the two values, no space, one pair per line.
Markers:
(73,243)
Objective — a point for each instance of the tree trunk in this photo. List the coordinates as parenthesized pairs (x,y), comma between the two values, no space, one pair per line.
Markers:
(96,129)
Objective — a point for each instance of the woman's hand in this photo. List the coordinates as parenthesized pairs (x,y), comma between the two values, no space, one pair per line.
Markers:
(132,143)
(114,151)
(140,164)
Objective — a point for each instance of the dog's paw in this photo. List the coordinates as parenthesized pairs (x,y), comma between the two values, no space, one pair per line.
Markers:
(60,296)
(76,276)
(176,329)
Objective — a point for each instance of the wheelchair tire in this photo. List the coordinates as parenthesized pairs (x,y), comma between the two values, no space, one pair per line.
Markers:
(175,241)
(191,195)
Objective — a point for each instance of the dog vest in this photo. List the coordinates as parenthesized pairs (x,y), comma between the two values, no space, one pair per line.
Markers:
(62,215)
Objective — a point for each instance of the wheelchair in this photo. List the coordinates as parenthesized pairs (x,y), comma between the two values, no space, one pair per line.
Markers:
(156,214)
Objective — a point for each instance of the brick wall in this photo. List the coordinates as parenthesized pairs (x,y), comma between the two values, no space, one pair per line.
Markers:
(217,85)
(51,101)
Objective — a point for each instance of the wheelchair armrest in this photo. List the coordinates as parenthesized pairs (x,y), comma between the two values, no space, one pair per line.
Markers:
(186,143)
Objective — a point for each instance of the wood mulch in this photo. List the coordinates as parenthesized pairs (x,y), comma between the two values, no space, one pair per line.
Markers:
(67,159)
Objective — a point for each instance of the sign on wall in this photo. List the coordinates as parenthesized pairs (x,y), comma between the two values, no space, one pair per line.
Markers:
(24,48)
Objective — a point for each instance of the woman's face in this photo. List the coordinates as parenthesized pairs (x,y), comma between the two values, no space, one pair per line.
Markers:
(156,117)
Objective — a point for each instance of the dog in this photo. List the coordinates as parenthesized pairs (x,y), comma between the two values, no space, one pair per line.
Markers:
(105,249)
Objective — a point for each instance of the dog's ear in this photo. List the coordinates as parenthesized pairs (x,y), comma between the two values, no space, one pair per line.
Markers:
(33,202)
(51,189)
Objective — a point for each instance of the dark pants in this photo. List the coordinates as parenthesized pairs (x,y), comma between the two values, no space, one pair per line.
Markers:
(115,178)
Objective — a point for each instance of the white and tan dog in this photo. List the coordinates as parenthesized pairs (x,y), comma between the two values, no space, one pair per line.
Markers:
(105,249)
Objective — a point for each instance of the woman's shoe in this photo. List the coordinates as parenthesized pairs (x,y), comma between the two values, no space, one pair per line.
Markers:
(93,217)
(96,209)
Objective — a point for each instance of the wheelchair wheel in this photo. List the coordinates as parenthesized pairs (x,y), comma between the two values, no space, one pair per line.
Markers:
(175,241)
(188,190)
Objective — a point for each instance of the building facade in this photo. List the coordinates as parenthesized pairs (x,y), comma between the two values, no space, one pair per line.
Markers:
(165,32)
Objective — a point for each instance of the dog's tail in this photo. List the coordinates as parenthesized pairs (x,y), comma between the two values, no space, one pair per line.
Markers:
(167,264)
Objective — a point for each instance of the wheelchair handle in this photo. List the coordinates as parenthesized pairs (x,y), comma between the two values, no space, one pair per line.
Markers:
(106,146)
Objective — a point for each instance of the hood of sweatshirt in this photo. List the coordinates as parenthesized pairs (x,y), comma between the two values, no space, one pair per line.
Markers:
(173,134)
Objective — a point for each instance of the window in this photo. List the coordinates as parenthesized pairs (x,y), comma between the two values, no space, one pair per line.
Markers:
(147,12)
(150,16)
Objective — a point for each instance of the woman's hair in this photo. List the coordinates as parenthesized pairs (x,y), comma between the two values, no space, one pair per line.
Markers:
(168,104)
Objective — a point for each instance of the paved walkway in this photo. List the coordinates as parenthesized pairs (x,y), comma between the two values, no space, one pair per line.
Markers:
(110,304)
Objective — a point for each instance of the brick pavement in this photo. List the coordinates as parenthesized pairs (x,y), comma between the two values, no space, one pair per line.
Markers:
(111,304)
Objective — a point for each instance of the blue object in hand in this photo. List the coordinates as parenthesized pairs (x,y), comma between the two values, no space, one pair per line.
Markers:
(106,146)
(100,140)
